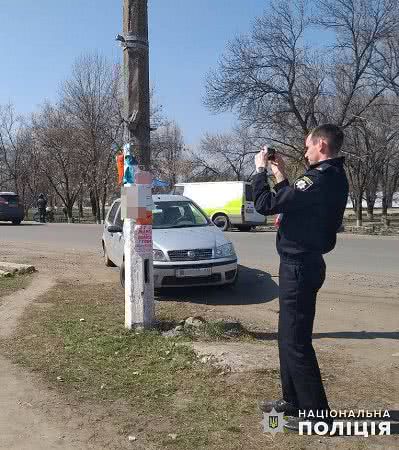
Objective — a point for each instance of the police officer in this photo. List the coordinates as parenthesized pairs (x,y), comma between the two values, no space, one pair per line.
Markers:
(41,206)
(311,211)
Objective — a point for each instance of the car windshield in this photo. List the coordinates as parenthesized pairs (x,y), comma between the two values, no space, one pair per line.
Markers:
(11,199)
(178,214)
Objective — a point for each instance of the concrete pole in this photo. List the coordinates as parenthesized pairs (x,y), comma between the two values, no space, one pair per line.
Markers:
(139,280)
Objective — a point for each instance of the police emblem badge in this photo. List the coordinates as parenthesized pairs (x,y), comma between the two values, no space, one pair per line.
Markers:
(273,422)
(303,183)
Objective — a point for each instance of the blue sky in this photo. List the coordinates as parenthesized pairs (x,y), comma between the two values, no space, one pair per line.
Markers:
(41,38)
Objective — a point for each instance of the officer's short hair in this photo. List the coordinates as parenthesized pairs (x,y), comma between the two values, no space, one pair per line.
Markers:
(332,134)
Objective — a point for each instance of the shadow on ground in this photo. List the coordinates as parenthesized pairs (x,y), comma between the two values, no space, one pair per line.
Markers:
(22,224)
(266,336)
(253,286)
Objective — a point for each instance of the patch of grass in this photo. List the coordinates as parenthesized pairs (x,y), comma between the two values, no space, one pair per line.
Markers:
(161,385)
(215,329)
(171,314)
(218,330)
(12,284)
(157,377)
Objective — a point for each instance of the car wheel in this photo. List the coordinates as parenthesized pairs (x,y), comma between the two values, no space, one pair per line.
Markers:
(107,261)
(16,222)
(122,274)
(221,221)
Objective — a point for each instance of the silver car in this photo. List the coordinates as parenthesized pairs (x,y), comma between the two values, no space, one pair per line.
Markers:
(188,249)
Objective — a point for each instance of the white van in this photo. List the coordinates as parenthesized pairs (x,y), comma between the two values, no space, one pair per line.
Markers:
(227,203)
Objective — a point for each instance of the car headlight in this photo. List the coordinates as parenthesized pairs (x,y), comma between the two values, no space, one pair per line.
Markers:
(225,250)
(158,255)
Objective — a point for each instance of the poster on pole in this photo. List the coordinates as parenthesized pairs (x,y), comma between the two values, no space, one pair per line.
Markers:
(136,201)
(143,240)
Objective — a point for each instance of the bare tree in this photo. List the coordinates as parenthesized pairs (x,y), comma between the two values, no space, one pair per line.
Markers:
(387,130)
(271,79)
(277,83)
(93,98)
(372,142)
(16,158)
(168,153)
(362,28)
(59,154)
(227,156)
(90,99)
(389,182)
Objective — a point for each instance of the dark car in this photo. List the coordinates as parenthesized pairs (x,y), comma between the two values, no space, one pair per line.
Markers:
(10,208)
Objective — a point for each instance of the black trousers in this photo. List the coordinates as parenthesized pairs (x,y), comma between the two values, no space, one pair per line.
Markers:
(42,215)
(300,279)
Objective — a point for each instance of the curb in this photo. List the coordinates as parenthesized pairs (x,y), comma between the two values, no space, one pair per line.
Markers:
(4,274)
(8,269)
(265,228)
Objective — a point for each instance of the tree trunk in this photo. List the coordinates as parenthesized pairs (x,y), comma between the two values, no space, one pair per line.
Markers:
(370,211)
(387,199)
(384,206)
(80,204)
(93,203)
(98,209)
(359,211)
(354,202)
(103,201)
(370,199)
(371,196)
(69,213)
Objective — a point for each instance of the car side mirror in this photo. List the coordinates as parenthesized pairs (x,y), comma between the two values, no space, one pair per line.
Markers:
(114,229)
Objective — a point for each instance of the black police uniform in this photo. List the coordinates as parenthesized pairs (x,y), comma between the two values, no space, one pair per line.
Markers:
(312,212)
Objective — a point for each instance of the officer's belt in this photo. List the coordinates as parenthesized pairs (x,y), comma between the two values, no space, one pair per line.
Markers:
(301,257)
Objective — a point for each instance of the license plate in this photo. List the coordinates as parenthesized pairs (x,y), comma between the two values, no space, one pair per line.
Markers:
(201,272)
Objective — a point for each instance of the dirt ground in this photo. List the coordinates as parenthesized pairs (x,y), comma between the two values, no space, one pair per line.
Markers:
(356,338)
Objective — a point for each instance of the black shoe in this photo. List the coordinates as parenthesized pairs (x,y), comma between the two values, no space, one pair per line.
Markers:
(280,406)
(292,423)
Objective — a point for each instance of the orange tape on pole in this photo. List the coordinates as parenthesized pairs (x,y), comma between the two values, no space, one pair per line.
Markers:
(120,162)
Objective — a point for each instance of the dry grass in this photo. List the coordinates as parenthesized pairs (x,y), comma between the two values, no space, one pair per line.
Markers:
(13,284)
(161,384)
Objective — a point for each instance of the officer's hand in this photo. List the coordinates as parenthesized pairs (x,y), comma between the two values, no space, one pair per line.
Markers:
(261,158)
(278,168)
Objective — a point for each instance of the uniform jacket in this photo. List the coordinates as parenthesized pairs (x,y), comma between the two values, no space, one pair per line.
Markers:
(41,204)
(312,208)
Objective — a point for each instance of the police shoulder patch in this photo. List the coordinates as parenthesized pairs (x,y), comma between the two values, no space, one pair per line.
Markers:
(303,183)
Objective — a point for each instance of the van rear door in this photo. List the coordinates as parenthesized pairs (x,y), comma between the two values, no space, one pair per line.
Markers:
(250,214)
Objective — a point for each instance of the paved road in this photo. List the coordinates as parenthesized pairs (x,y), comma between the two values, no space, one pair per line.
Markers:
(353,253)
(361,254)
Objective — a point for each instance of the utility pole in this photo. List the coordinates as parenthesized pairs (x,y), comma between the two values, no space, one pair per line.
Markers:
(136,71)
(139,281)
